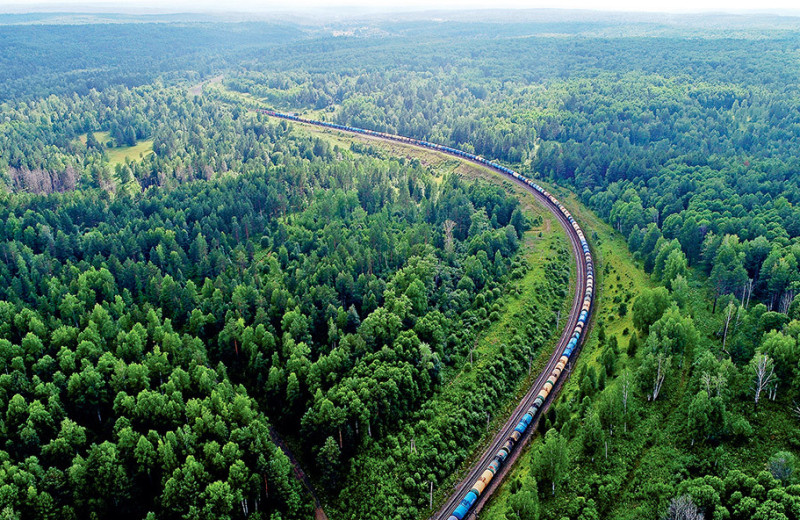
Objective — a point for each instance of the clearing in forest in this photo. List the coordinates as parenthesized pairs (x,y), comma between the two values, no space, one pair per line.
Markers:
(118,154)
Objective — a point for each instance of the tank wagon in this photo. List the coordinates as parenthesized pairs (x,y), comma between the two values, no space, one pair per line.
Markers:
(482,482)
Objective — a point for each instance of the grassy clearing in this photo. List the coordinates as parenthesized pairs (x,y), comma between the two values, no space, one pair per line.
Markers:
(197,90)
(119,154)
(134,153)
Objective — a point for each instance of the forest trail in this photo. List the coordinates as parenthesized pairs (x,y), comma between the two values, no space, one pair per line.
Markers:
(197,90)
(319,513)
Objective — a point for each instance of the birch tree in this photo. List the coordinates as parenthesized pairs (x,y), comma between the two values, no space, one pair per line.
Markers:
(625,387)
(449,225)
(682,508)
(729,316)
(661,374)
(653,373)
(764,372)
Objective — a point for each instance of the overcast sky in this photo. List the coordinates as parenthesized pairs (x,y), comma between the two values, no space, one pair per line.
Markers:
(405,5)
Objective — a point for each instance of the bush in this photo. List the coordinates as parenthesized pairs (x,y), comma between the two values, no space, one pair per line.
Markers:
(782,466)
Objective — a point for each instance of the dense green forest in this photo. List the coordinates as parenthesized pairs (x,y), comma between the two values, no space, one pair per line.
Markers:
(181,278)
(688,149)
(158,316)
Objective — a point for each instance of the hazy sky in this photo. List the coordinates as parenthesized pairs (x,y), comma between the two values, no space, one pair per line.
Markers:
(299,5)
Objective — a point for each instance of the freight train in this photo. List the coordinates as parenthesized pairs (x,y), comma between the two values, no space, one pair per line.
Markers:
(482,482)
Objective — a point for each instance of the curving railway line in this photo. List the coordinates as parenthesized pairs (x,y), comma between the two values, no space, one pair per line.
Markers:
(474,474)
(472,492)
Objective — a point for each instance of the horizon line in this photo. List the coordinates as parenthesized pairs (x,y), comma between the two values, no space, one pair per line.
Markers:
(147,8)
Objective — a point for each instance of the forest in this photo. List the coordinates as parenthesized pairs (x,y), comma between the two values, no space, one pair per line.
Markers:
(184,281)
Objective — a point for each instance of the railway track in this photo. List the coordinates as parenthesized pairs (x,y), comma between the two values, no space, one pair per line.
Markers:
(583,286)
(466,483)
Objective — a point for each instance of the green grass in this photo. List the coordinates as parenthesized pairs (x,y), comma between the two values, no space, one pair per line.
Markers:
(119,154)
(134,153)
